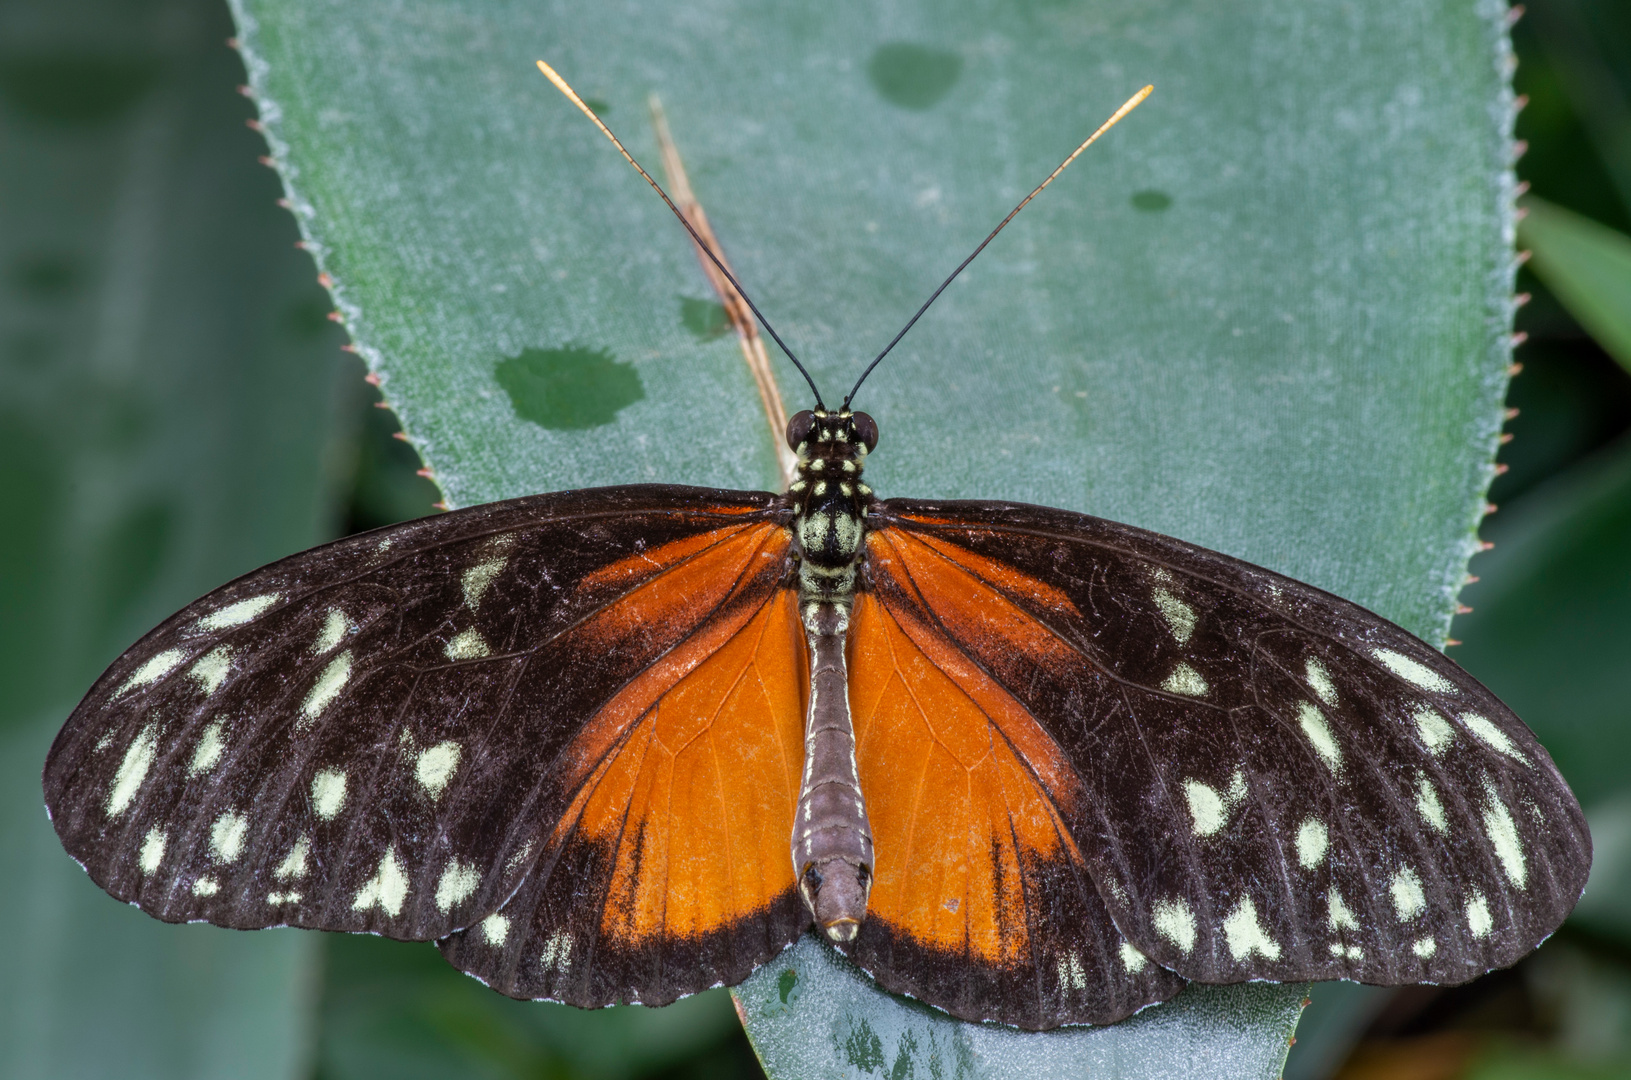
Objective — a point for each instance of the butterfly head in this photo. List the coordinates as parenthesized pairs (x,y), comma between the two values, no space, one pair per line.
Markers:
(831,445)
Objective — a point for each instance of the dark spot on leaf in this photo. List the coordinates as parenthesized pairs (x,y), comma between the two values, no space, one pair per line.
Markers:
(75,90)
(598,104)
(913,76)
(569,389)
(863,1048)
(905,1056)
(46,276)
(786,983)
(704,318)
(129,560)
(1152,202)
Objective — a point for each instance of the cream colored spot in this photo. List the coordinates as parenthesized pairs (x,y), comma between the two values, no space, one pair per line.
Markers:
(1408,898)
(1312,842)
(458,882)
(153,849)
(1175,922)
(1503,835)
(1319,681)
(479,578)
(207,754)
(1435,731)
(387,889)
(1319,734)
(227,836)
(1352,952)
(1071,975)
(1245,934)
(206,886)
(1478,918)
(1413,671)
(1131,959)
(1185,680)
(1208,808)
(1337,913)
(156,668)
(1427,804)
(468,646)
(1487,733)
(328,686)
(328,793)
(236,614)
(127,780)
(1424,947)
(436,766)
(495,928)
(278,898)
(1180,617)
(334,630)
(557,951)
(293,866)
(212,669)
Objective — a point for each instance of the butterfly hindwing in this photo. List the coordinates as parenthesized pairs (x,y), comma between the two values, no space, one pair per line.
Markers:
(1273,782)
(378,735)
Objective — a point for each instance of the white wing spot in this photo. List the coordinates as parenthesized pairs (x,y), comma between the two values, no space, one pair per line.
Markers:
(156,668)
(436,766)
(1185,680)
(1484,729)
(153,849)
(479,578)
(1319,681)
(293,866)
(1175,922)
(1408,898)
(1413,671)
(1503,834)
(468,645)
(1435,731)
(328,793)
(1071,975)
(387,889)
(1312,841)
(227,836)
(1339,917)
(212,669)
(1245,934)
(236,614)
(1131,958)
(1432,811)
(334,630)
(495,928)
(1478,918)
(1313,724)
(277,898)
(459,881)
(209,750)
(127,781)
(1210,809)
(557,951)
(1180,616)
(1424,947)
(328,686)
(206,886)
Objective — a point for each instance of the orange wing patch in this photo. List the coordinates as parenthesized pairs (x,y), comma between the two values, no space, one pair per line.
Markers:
(963,789)
(693,768)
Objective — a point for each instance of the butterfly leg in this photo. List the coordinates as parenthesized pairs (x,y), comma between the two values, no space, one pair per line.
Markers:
(832,841)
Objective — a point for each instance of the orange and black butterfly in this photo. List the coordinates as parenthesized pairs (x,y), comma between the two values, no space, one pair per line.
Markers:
(625,744)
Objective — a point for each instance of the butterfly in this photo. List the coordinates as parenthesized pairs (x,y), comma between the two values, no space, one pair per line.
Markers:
(628,743)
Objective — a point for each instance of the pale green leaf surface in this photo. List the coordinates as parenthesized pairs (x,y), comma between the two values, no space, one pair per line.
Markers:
(1269,314)
(1588,266)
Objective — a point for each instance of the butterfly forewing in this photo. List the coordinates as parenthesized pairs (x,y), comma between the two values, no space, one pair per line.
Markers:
(372,735)
(1274,783)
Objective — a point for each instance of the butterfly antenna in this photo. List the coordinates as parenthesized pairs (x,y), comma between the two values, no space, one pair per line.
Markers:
(1131,104)
(572,95)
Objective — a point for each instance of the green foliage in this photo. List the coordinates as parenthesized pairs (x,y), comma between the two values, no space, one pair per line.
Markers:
(1589,267)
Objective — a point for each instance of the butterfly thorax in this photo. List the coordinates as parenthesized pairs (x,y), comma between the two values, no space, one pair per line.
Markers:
(829,500)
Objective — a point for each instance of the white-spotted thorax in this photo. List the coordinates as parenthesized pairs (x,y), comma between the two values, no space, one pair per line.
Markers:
(830,501)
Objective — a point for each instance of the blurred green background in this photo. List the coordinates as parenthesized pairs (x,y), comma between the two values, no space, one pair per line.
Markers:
(176,408)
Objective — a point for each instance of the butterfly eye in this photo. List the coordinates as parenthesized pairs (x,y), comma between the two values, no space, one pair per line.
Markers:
(866,430)
(798,428)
